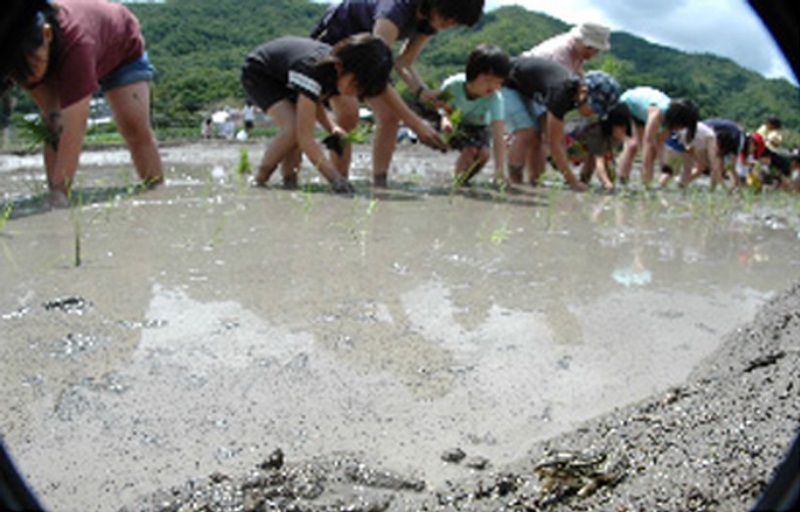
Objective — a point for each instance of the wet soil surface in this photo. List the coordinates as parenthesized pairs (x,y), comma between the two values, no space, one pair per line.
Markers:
(211,346)
(712,443)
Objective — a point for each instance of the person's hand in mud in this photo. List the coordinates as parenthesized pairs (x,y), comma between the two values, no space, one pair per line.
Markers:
(342,185)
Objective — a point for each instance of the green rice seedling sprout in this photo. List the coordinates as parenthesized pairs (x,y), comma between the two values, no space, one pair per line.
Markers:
(34,131)
(455,120)
(308,204)
(357,225)
(461,179)
(357,135)
(243,165)
(497,235)
(500,234)
(5,215)
(336,142)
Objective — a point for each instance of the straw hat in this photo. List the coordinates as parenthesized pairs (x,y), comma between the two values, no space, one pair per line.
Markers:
(592,35)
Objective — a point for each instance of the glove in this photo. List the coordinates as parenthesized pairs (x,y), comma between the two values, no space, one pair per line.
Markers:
(334,143)
(342,186)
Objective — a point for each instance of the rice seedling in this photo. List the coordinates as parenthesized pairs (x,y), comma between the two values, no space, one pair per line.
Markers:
(337,142)
(457,131)
(33,131)
(243,164)
(5,215)
(357,135)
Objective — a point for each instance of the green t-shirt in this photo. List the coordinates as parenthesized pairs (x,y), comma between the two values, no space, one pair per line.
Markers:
(475,112)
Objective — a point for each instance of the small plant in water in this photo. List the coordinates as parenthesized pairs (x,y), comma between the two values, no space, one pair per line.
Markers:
(34,131)
(357,135)
(5,215)
(336,142)
(243,165)
(455,121)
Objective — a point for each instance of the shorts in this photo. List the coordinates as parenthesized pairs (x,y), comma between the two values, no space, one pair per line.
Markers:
(263,91)
(470,135)
(521,112)
(140,70)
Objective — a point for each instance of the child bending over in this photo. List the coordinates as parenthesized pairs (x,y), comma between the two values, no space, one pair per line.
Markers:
(594,144)
(290,78)
(474,107)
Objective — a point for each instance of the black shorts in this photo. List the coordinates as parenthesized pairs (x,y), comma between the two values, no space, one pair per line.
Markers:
(264,91)
(470,136)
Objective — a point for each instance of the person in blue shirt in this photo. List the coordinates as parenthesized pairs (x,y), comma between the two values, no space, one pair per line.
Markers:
(655,115)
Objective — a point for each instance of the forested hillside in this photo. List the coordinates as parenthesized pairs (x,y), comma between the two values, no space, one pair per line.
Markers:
(198,46)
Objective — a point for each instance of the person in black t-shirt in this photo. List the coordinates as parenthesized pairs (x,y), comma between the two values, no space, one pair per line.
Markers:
(290,78)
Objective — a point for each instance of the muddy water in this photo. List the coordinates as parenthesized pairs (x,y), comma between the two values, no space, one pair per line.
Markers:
(210,323)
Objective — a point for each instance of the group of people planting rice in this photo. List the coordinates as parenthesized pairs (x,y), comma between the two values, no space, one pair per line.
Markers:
(521,112)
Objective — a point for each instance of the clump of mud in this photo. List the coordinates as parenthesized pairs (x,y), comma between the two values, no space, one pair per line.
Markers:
(713,443)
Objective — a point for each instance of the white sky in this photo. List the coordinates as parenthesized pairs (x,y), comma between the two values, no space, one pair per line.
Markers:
(728,28)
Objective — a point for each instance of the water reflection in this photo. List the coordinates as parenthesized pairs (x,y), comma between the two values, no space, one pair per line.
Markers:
(226,321)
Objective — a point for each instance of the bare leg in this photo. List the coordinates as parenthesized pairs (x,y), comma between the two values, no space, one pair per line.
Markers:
(130,105)
(537,158)
(345,110)
(517,153)
(283,144)
(385,141)
(629,150)
(290,167)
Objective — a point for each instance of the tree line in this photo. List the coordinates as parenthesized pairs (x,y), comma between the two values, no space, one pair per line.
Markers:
(198,46)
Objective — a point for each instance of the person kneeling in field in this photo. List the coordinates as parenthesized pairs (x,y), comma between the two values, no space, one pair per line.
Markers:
(474,106)
(290,78)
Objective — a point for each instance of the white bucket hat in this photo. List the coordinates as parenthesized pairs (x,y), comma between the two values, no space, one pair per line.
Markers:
(592,35)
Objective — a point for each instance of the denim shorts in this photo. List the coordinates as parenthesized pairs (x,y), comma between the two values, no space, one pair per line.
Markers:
(521,112)
(139,70)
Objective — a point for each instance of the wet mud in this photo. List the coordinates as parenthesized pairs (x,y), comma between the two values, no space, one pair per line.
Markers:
(411,348)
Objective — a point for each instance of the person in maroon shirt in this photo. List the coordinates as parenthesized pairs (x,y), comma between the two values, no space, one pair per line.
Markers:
(73,48)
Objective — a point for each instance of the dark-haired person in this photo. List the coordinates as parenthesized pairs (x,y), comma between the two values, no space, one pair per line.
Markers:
(475,96)
(71,48)
(290,78)
(594,144)
(538,97)
(655,115)
(414,22)
(693,159)
(731,143)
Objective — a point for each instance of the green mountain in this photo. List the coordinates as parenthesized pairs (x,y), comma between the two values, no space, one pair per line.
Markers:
(198,46)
